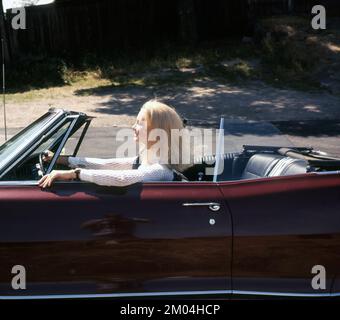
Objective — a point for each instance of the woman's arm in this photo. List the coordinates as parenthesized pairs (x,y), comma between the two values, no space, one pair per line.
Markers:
(96,163)
(126,177)
(119,178)
(92,163)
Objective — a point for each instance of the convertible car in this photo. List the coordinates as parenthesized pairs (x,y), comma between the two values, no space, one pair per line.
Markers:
(258,229)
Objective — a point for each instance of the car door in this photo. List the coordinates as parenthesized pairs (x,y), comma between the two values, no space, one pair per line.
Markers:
(77,238)
(283,228)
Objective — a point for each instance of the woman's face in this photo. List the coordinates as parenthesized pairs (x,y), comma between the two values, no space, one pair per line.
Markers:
(140,127)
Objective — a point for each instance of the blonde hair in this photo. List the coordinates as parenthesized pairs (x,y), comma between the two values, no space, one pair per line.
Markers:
(161,116)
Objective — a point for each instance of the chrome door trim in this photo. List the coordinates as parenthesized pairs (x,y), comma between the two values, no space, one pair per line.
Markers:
(213,206)
(116,295)
(327,172)
(285,294)
(18,183)
(170,293)
(30,183)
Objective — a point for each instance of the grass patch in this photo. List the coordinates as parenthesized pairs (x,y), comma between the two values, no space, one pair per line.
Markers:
(56,92)
(167,66)
(232,71)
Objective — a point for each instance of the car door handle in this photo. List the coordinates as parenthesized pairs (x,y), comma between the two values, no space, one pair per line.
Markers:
(213,206)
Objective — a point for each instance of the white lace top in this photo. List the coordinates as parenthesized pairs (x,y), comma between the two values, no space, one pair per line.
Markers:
(118,171)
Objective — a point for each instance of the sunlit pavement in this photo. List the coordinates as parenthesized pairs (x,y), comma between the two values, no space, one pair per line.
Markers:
(320,134)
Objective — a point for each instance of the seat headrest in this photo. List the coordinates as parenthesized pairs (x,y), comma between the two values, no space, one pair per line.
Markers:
(272,165)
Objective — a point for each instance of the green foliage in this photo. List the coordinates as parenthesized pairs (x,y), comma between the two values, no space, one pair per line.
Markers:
(288,57)
(165,66)
(33,72)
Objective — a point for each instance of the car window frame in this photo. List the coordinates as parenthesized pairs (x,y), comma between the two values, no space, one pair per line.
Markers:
(63,142)
(35,144)
(18,157)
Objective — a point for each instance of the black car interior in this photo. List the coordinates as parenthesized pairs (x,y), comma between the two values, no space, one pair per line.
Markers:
(258,162)
(251,163)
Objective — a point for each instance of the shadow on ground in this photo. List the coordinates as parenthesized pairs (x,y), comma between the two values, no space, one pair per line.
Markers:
(207,101)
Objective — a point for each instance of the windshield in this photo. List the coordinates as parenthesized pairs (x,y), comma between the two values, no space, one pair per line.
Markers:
(17,143)
(48,144)
(238,133)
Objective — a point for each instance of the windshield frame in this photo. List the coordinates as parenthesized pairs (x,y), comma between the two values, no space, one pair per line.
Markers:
(57,117)
(47,117)
(31,133)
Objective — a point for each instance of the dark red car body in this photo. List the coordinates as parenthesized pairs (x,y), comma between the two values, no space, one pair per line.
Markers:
(79,239)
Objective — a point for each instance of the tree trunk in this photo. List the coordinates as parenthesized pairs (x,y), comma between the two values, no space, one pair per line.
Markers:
(290,6)
(251,18)
(187,18)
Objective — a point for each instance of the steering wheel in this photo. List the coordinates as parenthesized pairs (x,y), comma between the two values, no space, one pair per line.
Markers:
(41,161)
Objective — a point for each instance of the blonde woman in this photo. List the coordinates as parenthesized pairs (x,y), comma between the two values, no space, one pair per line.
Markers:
(155,165)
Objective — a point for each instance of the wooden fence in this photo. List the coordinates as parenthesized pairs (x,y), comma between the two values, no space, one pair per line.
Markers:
(78,26)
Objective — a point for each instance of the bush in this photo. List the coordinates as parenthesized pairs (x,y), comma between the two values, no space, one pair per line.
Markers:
(33,72)
(288,57)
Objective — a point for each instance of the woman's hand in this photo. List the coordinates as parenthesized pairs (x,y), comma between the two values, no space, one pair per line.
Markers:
(47,156)
(47,180)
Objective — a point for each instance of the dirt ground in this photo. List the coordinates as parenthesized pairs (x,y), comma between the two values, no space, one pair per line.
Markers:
(206,100)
